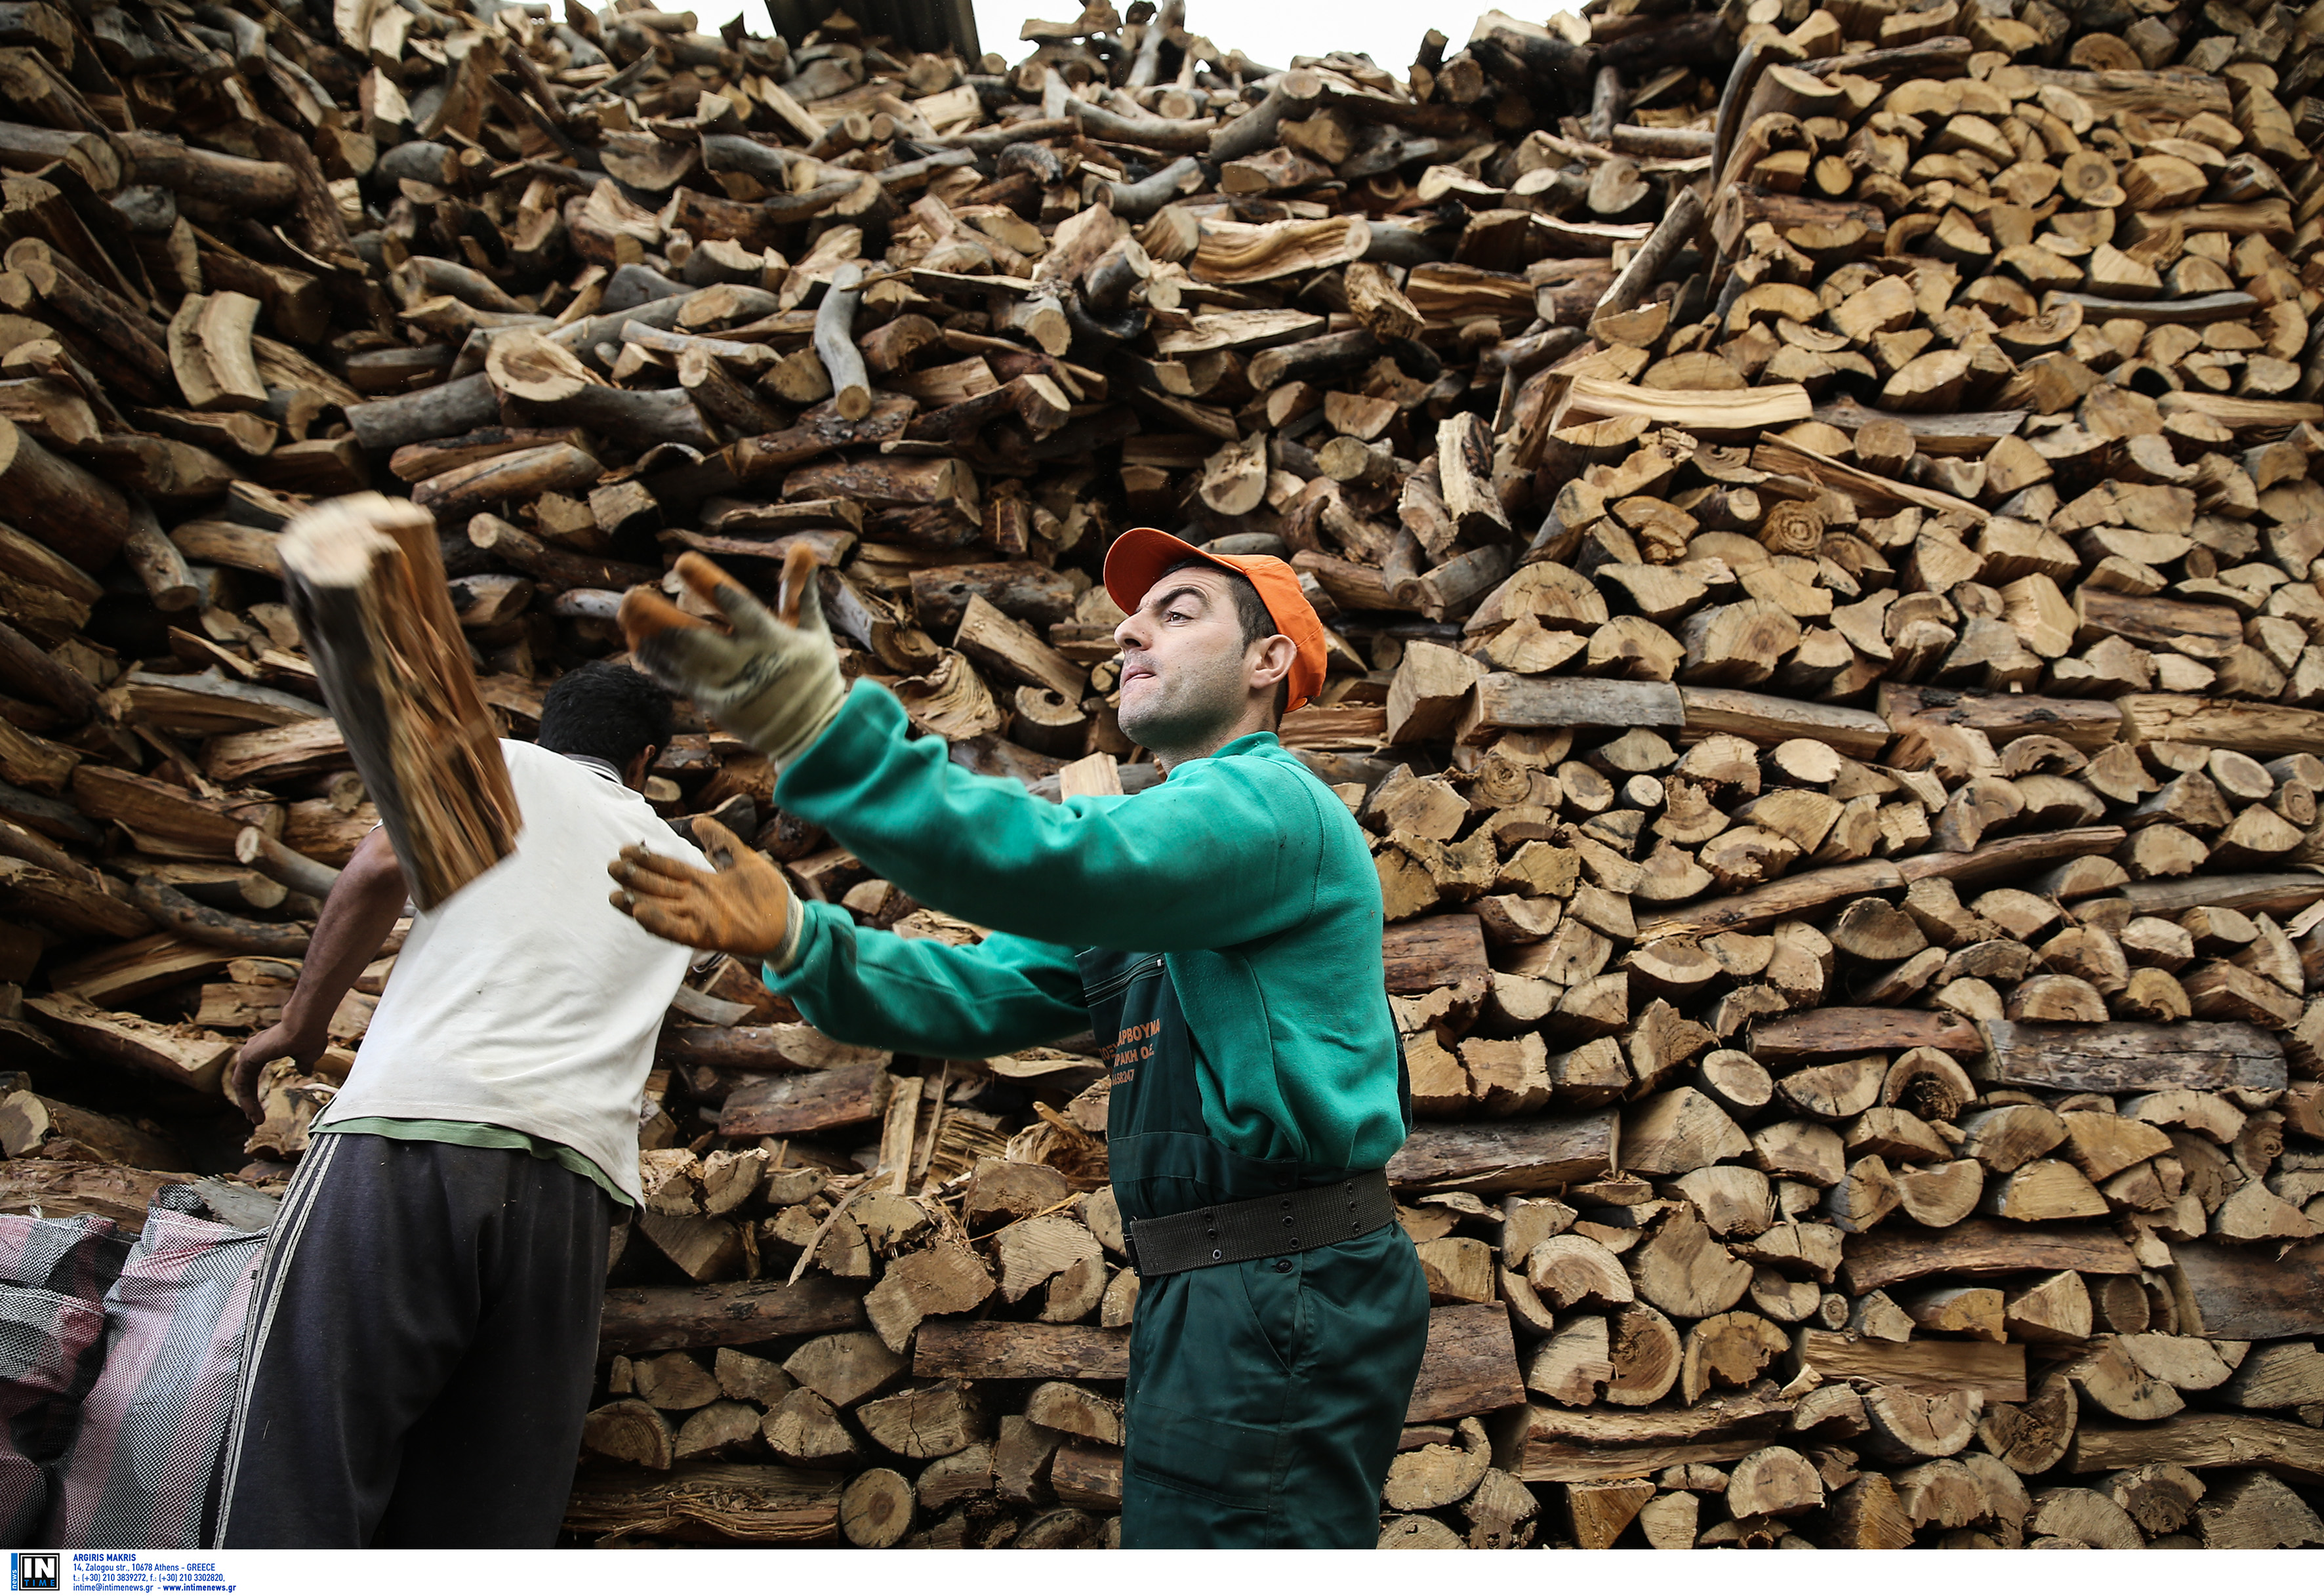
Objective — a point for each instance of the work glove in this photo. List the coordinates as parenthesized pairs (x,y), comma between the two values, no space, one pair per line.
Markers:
(771,679)
(742,908)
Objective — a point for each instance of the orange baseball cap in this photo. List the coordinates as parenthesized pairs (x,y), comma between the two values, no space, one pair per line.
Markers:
(1140,555)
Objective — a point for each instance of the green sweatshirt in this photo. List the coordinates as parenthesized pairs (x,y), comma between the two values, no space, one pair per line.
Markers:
(1245,871)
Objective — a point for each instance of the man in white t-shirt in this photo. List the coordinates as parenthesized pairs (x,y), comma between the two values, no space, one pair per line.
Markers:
(424,1333)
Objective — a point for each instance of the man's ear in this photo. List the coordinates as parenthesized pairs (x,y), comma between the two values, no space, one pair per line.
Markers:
(634,777)
(1271,660)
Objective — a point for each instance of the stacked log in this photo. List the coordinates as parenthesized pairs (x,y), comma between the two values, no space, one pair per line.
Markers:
(1817,512)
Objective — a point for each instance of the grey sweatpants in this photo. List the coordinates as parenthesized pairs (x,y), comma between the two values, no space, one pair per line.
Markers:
(422,1340)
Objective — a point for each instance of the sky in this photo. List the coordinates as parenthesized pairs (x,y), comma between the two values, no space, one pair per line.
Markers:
(1271,32)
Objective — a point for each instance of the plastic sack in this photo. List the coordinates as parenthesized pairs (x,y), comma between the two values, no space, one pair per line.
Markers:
(54,1275)
(153,1431)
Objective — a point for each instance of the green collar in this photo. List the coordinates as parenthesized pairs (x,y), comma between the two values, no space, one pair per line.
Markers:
(1254,743)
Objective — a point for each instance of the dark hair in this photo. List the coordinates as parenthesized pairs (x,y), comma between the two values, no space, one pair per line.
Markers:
(605,711)
(1251,610)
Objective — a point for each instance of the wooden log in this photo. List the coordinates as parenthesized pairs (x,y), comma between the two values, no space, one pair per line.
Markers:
(639,417)
(168,579)
(96,158)
(2240,1293)
(70,693)
(2259,1512)
(195,827)
(365,581)
(1906,1426)
(2279,894)
(252,186)
(933,1421)
(834,342)
(1794,895)
(82,518)
(1998,1370)
(760,1047)
(704,1249)
(1152,132)
(661,1318)
(2114,1057)
(172,910)
(277,754)
(967,1351)
(515,476)
(1977,1248)
(806,1102)
(183,1057)
(112,334)
(1677,227)
(1504,702)
(2004,717)
(1138,200)
(1559,1446)
(2261,729)
(994,641)
(1855,1032)
(751,1504)
(2286,1374)
(1432,952)
(553,567)
(254,847)
(1523,1156)
(62,1187)
(1470,1365)
(1255,128)
(2202,1440)
(1770,722)
(210,352)
(446,411)
(68,905)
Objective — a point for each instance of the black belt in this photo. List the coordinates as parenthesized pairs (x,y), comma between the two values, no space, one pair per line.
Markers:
(1262,1227)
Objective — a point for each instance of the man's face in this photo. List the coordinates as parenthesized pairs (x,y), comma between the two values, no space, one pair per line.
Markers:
(1183,672)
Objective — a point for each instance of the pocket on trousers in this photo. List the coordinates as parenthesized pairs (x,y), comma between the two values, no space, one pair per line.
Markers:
(1276,1300)
(1200,1455)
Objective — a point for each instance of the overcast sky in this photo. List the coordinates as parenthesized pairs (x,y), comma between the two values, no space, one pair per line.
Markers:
(1268,31)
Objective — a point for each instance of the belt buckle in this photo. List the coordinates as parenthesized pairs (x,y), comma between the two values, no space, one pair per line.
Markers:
(1129,1244)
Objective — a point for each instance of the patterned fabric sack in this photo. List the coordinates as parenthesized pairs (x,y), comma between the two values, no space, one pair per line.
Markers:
(153,1431)
(54,1274)
(77,1256)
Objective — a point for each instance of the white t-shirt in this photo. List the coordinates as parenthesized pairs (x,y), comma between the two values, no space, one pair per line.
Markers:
(526,998)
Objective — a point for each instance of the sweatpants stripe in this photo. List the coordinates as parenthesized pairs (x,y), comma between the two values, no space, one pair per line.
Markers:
(290,1221)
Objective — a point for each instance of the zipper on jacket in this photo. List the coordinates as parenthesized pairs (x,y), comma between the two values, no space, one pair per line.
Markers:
(1098,994)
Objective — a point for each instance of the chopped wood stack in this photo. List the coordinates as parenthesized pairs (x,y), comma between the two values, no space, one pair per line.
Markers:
(1818,511)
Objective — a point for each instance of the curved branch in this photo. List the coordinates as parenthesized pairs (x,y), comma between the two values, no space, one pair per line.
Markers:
(172,910)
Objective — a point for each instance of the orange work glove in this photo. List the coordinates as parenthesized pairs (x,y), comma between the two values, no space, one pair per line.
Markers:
(771,679)
(743,908)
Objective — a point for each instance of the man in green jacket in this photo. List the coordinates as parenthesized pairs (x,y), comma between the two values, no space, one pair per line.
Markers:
(1228,929)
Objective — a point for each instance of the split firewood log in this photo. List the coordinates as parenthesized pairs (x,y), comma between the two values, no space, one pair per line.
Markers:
(364,579)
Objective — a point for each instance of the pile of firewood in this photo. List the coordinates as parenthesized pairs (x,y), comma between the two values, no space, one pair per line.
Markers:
(1818,511)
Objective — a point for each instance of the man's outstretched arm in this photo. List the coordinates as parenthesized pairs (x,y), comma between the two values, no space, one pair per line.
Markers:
(1223,843)
(870,988)
(913,994)
(361,910)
